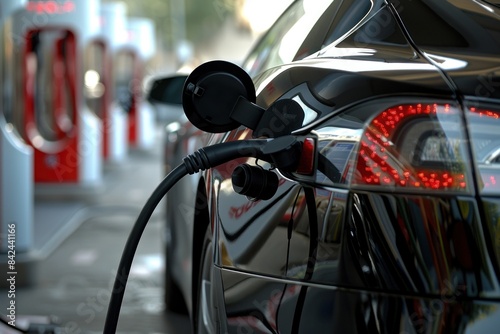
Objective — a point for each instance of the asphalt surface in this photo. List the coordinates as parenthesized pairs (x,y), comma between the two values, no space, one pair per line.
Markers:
(72,285)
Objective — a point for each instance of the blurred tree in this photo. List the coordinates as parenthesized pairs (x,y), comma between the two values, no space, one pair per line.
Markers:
(193,20)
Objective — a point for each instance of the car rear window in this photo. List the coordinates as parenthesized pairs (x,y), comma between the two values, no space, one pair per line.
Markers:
(456,24)
(284,39)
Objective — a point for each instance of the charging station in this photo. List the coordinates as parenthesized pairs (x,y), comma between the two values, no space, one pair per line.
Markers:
(16,158)
(99,81)
(131,60)
(51,113)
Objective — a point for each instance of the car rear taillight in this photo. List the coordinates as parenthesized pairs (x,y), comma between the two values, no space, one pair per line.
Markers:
(414,146)
(484,129)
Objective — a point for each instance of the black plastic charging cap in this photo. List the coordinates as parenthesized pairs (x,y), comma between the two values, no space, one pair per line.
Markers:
(210,93)
(254,182)
(281,119)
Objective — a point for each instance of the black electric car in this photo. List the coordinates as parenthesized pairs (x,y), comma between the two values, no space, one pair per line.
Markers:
(389,219)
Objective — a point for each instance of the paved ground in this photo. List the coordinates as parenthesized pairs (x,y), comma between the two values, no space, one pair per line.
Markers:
(73,283)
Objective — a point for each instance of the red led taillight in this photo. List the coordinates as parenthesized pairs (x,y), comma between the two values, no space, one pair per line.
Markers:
(419,146)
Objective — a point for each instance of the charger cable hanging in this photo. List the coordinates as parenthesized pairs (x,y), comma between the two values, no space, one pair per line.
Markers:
(205,158)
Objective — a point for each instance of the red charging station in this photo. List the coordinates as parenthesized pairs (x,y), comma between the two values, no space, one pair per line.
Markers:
(132,59)
(53,133)
(96,87)
(99,81)
(53,116)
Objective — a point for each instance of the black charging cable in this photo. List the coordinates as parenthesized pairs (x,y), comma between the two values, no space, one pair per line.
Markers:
(272,151)
(13,328)
(312,258)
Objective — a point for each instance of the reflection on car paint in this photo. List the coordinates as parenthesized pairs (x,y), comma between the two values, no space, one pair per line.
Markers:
(347,311)
(237,212)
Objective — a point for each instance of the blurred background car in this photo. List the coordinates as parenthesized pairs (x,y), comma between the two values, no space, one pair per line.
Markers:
(393,224)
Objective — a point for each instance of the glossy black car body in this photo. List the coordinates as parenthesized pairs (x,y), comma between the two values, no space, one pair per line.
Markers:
(397,231)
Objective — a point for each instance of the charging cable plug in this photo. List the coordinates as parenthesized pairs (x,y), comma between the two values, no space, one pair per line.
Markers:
(203,159)
(283,153)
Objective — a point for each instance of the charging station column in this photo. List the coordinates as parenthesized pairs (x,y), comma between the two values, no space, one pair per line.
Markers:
(53,116)
(114,118)
(132,59)
(16,158)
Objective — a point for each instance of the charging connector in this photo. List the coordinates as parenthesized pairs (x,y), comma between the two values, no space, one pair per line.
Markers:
(203,159)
